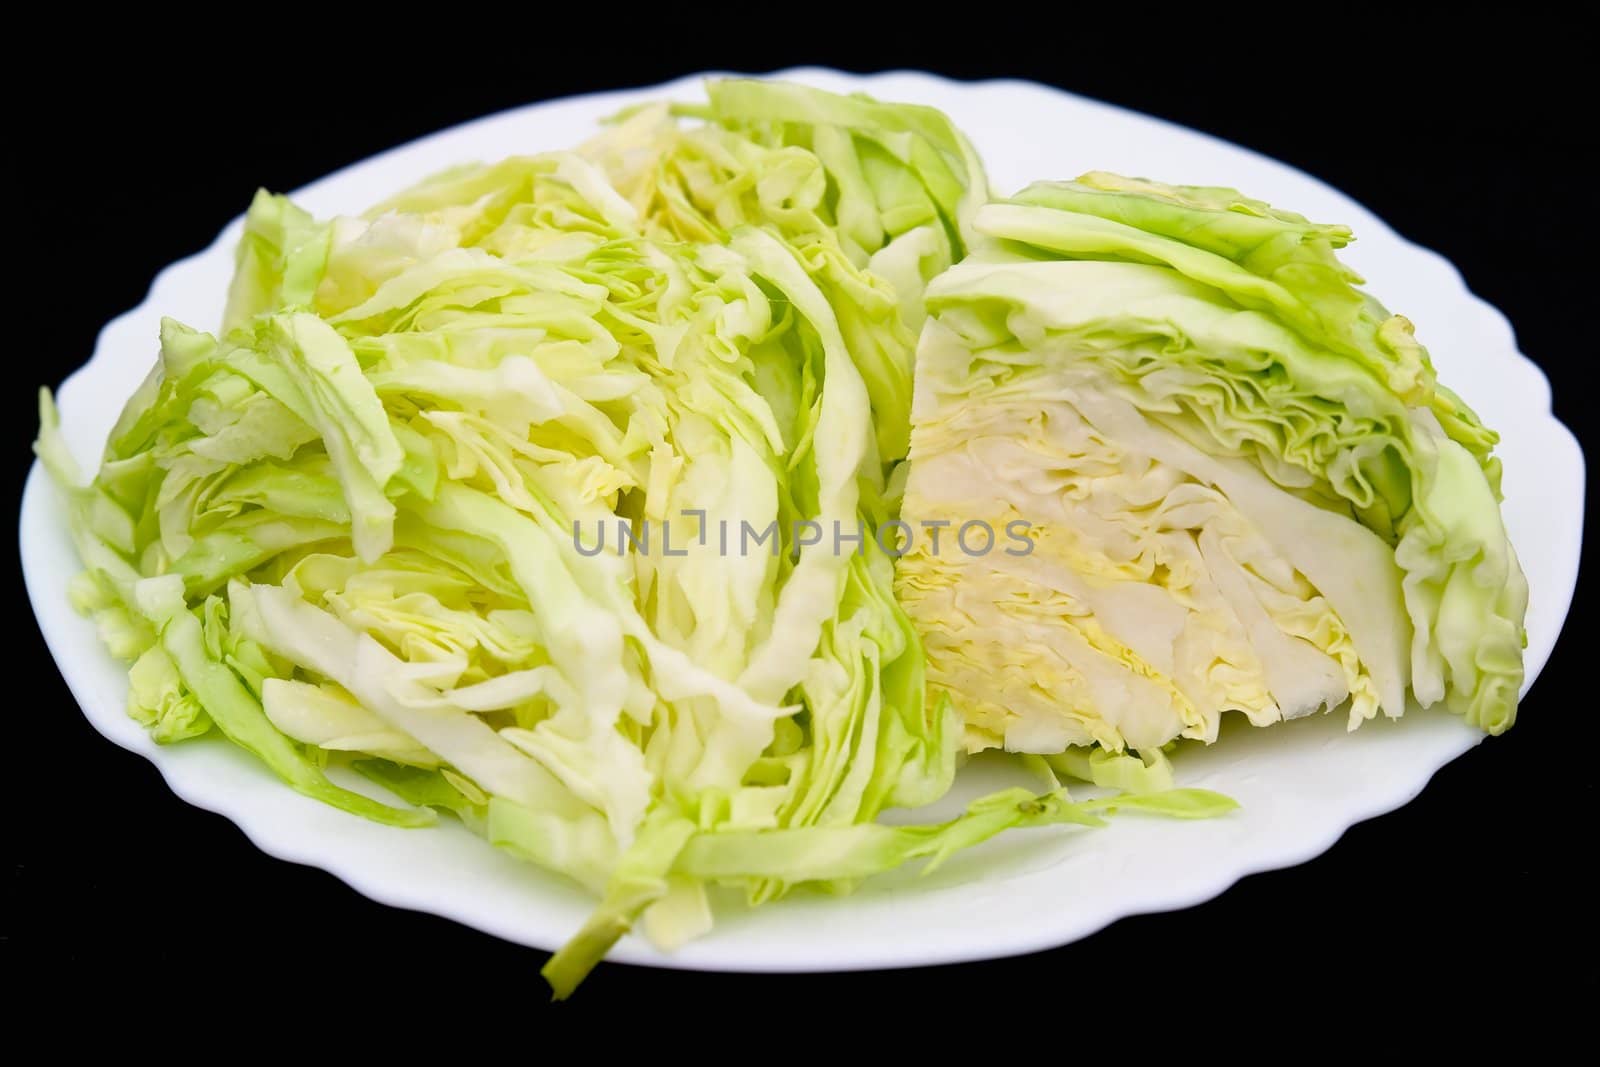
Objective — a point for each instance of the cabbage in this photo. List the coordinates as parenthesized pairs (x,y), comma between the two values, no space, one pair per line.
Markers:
(363,523)
(1243,488)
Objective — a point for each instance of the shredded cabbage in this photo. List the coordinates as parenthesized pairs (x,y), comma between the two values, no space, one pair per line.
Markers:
(352,525)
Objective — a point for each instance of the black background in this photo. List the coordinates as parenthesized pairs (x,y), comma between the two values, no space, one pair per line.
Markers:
(1470,897)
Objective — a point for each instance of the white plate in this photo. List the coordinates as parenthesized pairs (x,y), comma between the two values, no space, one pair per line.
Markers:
(1301,785)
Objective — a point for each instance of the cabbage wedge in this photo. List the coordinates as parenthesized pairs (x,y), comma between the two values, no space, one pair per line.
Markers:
(1244,489)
